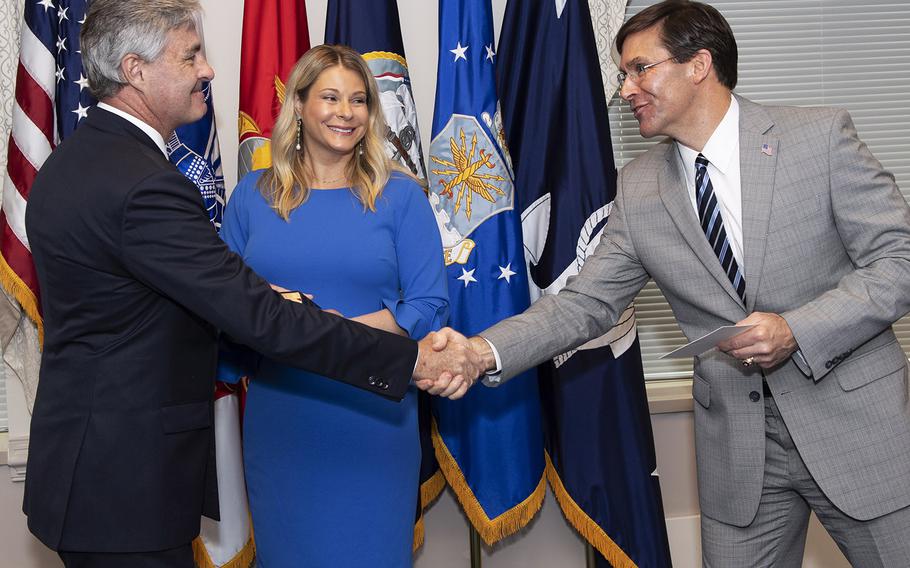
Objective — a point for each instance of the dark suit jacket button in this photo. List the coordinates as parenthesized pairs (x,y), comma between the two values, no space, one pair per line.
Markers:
(371,381)
(827,364)
(384,386)
(754,396)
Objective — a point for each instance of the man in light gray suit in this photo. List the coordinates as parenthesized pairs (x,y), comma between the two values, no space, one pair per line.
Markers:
(776,217)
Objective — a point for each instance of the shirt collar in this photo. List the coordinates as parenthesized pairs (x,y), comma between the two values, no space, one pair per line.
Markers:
(149,131)
(723,145)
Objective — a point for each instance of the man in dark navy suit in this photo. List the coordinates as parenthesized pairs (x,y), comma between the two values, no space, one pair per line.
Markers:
(135,285)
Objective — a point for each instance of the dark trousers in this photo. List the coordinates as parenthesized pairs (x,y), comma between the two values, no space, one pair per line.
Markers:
(180,557)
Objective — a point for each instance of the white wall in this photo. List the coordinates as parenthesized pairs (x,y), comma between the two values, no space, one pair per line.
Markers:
(548,541)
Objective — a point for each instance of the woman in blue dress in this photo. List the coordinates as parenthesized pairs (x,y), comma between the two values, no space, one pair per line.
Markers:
(331,470)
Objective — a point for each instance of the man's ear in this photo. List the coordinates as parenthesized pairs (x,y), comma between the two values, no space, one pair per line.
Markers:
(132,69)
(701,65)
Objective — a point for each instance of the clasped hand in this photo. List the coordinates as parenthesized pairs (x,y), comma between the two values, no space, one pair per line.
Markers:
(446,364)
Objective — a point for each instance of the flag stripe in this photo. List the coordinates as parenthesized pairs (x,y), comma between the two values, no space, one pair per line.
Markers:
(34,102)
(20,176)
(38,60)
(31,140)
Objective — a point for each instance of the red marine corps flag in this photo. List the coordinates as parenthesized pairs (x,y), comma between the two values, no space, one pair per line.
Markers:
(274,37)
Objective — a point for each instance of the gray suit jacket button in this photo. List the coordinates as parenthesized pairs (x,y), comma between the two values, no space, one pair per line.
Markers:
(754,396)
(827,364)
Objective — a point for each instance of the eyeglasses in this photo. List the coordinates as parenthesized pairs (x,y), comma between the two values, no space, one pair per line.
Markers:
(637,71)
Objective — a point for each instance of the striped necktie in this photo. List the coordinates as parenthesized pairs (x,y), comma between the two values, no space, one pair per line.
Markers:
(713,225)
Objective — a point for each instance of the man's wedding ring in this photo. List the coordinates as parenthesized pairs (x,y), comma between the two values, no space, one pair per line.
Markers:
(747,362)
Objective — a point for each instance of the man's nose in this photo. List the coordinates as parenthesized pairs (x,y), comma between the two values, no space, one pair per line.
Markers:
(628,88)
(206,71)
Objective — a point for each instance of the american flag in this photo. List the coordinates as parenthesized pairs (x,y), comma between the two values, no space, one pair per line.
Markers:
(52,96)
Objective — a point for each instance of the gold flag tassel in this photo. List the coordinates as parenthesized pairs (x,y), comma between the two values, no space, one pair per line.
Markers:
(490,530)
(23,294)
(429,492)
(585,525)
(243,559)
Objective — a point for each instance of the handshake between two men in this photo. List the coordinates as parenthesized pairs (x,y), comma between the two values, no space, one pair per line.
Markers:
(448,363)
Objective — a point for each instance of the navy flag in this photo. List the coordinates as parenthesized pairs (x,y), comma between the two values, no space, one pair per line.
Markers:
(371,27)
(601,461)
(489,444)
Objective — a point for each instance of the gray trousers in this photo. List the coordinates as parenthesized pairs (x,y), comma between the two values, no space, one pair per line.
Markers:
(777,535)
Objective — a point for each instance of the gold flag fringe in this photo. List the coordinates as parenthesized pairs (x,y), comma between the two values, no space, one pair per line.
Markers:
(429,492)
(418,534)
(371,55)
(585,525)
(243,559)
(23,294)
(431,489)
(490,530)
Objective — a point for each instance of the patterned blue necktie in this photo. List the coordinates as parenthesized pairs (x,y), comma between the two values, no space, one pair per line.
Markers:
(713,225)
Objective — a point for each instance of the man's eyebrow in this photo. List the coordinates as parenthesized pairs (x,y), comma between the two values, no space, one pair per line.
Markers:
(630,63)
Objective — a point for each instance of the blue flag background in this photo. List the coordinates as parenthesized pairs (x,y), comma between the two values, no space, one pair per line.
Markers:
(488,444)
(193,148)
(602,465)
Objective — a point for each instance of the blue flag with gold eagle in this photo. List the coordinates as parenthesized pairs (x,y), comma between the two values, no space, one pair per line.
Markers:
(489,445)
(602,465)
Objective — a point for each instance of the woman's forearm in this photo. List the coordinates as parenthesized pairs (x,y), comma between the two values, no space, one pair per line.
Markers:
(382,319)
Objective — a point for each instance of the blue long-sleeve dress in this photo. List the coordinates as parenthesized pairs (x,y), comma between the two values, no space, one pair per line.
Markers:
(332,471)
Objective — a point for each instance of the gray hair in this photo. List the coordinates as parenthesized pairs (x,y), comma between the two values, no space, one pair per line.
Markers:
(115,28)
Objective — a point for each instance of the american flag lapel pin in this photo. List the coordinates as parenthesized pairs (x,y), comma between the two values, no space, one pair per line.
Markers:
(767,150)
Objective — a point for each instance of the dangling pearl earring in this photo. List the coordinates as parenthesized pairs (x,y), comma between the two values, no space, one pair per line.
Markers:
(360,148)
(299,128)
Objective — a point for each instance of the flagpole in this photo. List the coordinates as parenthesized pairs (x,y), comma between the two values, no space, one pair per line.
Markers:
(476,558)
(590,556)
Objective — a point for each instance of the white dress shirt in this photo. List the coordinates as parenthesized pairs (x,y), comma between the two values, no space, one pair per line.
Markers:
(722,153)
(156,136)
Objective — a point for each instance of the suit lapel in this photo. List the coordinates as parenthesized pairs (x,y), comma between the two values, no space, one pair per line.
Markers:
(675,197)
(758,153)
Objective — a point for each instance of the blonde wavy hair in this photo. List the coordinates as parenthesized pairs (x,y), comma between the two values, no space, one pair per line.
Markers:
(286,184)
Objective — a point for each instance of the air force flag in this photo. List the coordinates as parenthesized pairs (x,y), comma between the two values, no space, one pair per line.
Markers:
(489,445)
